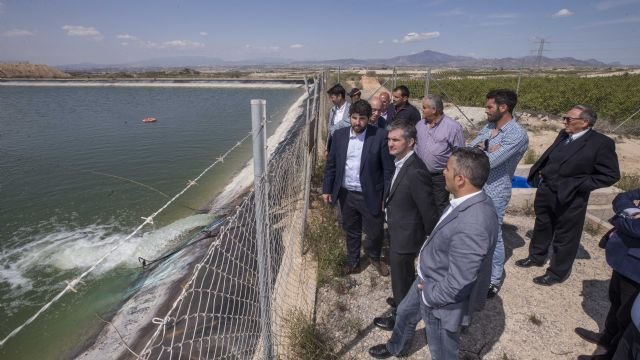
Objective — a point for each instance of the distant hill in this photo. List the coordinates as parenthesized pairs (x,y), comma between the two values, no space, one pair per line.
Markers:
(11,71)
(434,58)
(424,58)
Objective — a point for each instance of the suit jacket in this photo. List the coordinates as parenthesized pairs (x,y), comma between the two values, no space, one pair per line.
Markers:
(344,122)
(623,246)
(376,166)
(588,164)
(456,261)
(411,210)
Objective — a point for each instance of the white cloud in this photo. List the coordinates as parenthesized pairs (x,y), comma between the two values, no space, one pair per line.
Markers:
(203,33)
(609,4)
(126,37)
(413,36)
(296,46)
(624,20)
(83,31)
(175,45)
(17,33)
(395,41)
(380,42)
(562,13)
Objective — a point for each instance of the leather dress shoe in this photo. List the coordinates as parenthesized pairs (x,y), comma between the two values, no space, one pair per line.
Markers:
(493,290)
(379,351)
(391,302)
(385,322)
(528,262)
(594,357)
(350,269)
(381,267)
(547,280)
(591,336)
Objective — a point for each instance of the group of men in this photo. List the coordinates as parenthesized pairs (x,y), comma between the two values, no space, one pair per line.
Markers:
(388,163)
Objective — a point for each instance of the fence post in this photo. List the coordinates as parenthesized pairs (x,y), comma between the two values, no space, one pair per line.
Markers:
(338,74)
(426,82)
(259,131)
(394,79)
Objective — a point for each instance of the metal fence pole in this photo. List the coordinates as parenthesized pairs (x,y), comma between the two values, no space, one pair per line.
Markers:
(426,83)
(338,74)
(258,127)
(394,79)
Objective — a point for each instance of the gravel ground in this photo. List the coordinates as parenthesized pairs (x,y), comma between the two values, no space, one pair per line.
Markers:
(525,321)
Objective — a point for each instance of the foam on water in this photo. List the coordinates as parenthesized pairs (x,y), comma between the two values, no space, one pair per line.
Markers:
(70,249)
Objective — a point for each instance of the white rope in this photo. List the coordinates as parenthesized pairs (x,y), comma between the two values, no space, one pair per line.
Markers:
(73,284)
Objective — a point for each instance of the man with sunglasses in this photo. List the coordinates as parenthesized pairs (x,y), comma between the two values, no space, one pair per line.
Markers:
(579,161)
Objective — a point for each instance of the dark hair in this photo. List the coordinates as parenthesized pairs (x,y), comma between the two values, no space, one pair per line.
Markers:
(504,97)
(360,107)
(403,90)
(587,113)
(473,164)
(337,89)
(408,129)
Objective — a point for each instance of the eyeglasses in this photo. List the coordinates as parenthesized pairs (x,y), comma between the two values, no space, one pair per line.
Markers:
(569,118)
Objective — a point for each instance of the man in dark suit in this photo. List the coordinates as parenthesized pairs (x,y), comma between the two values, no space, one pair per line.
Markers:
(411,212)
(454,266)
(358,171)
(622,246)
(579,161)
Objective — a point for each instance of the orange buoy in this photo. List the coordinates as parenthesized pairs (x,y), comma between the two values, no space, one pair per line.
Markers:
(149,120)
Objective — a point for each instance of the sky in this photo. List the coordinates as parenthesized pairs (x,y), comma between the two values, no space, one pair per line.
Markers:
(57,32)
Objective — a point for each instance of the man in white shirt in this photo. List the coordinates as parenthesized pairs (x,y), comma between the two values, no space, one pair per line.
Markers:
(339,113)
(358,172)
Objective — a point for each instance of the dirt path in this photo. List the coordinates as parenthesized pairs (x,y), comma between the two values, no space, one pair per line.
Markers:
(525,321)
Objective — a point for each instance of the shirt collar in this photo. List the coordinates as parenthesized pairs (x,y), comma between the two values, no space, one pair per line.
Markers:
(359,136)
(576,136)
(340,108)
(457,201)
(401,162)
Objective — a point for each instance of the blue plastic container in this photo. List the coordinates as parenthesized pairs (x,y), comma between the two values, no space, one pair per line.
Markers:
(519,182)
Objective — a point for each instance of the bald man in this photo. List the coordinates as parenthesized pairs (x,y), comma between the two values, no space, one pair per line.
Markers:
(376,113)
(387,106)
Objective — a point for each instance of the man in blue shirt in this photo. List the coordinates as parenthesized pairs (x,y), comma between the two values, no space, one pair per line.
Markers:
(505,142)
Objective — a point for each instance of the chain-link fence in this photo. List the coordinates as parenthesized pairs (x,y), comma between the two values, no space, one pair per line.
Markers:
(254,277)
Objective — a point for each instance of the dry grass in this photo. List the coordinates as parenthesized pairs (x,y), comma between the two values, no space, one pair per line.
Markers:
(628,182)
(308,341)
(530,157)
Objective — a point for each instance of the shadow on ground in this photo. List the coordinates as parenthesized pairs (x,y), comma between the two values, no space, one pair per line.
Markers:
(595,300)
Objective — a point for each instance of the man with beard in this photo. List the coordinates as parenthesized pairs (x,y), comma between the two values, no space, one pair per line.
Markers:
(505,142)
(579,161)
(339,113)
(401,106)
(358,172)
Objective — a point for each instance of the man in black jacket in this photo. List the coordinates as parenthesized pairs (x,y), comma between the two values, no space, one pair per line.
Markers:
(579,161)
(411,212)
(358,172)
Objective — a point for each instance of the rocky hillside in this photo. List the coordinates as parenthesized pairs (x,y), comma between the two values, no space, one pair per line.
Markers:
(8,71)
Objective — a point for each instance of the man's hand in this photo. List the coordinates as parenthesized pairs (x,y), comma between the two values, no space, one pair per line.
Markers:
(326,198)
(494,148)
(636,202)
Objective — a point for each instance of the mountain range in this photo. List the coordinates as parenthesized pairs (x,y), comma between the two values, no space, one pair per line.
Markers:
(421,59)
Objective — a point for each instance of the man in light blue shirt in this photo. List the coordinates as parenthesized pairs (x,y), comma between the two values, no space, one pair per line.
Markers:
(505,142)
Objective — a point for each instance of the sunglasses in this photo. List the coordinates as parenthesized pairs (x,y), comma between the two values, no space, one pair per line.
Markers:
(569,118)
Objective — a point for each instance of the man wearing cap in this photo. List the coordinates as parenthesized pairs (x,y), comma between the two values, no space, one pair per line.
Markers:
(355,94)
(402,107)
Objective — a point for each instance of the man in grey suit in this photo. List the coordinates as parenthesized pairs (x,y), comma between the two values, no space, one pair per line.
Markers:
(454,265)
(339,113)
